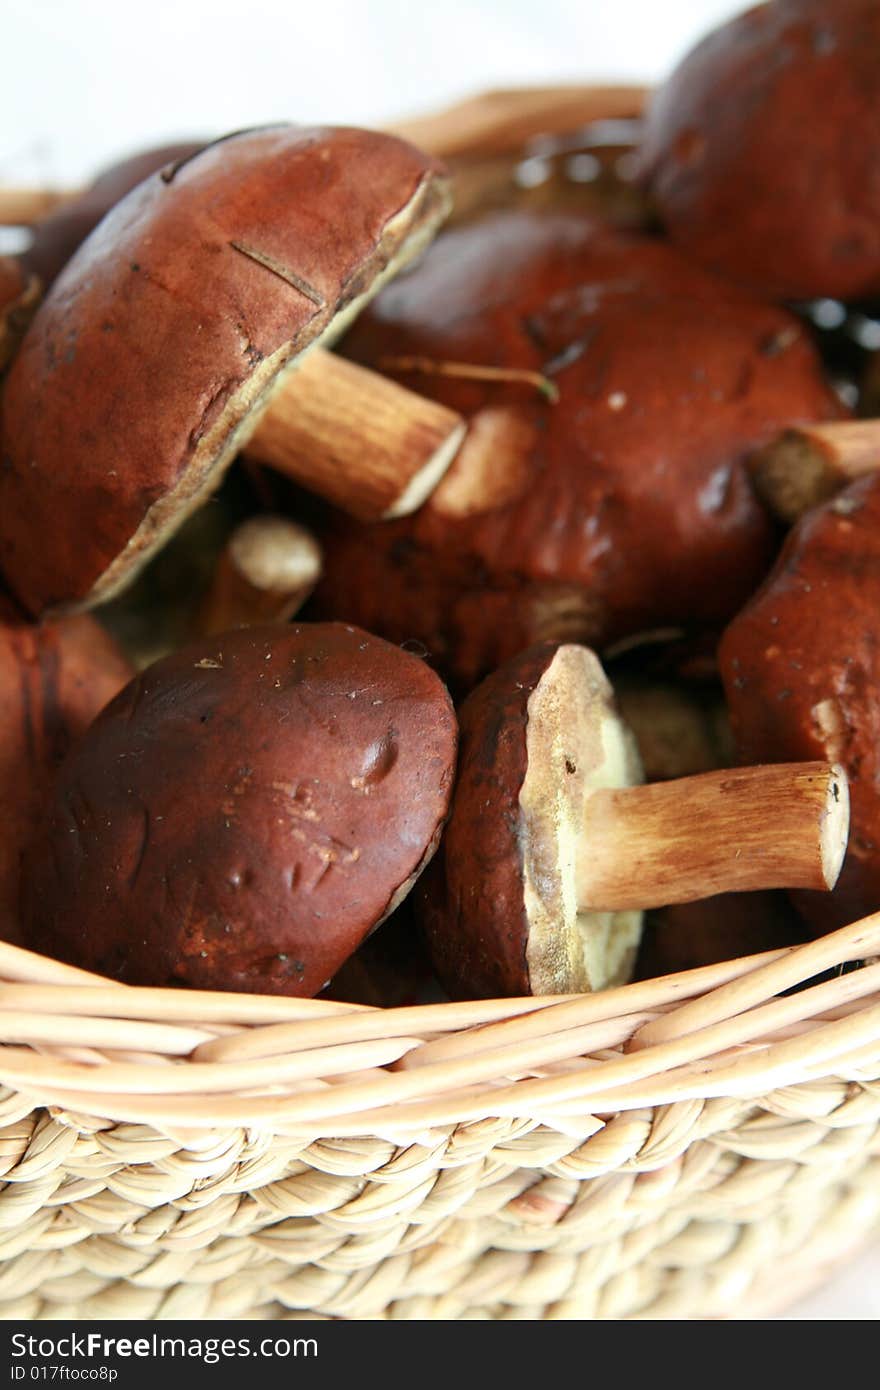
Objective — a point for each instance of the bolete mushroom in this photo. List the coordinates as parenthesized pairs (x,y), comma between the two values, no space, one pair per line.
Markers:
(553,848)
(759,149)
(612,391)
(55,678)
(165,345)
(245,813)
(806,465)
(801,670)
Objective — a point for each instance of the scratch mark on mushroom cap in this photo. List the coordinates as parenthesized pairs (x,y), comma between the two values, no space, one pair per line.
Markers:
(231,842)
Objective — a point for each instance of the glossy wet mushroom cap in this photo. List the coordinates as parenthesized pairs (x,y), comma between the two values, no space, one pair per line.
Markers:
(245,813)
(620,506)
(159,345)
(760,154)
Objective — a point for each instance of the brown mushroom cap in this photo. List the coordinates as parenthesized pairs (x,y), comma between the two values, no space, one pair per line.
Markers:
(57,235)
(801,672)
(760,154)
(19,295)
(501,913)
(159,343)
(245,813)
(54,679)
(624,505)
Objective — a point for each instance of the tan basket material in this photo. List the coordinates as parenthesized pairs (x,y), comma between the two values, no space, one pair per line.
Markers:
(699,1146)
(653,1151)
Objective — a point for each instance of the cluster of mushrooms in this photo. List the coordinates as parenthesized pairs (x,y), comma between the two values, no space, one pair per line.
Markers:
(402,597)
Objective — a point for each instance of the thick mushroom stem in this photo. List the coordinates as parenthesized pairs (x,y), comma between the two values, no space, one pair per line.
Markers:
(363,442)
(733,830)
(802,467)
(267,570)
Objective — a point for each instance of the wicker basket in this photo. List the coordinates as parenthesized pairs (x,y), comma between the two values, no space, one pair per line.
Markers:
(696,1146)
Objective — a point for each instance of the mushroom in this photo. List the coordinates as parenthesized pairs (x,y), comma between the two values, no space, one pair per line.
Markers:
(267,570)
(165,346)
(484,138)
(687,935)
(245,812)
(56,235)
(759,154)
(19,295)
(612,392)
(537,147)
(553,847)
(54,679)
(801,671)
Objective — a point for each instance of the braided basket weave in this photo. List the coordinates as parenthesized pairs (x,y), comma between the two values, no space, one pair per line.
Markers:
(695,1146)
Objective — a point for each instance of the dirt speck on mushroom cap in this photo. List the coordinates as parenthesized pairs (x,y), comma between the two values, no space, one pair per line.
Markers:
(245,812)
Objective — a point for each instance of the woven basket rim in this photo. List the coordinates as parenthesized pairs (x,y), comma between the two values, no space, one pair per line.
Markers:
(189,1060)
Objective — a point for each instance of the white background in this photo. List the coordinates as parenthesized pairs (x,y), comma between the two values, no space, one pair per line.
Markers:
(87,81)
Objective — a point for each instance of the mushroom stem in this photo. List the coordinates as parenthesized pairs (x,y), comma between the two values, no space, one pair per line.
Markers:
(365,443)
(805,465)
(266,572)
(19,297)
(733,830)
(491,122)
